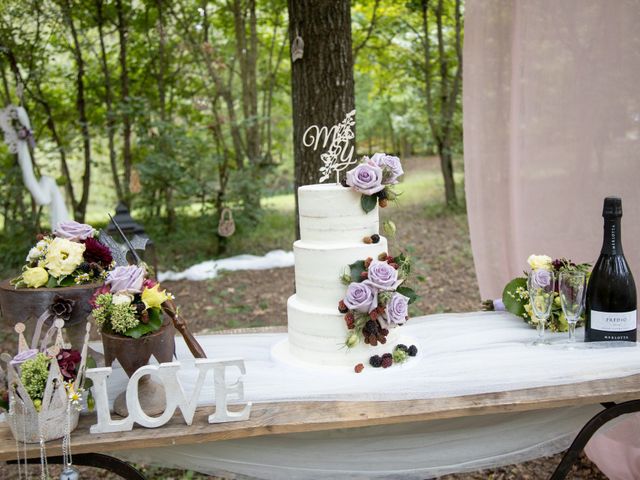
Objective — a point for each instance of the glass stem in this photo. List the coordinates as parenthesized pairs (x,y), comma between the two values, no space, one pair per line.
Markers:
(540,328)
(572,331)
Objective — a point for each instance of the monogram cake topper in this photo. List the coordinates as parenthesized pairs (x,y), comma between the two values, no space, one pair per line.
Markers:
(341,149)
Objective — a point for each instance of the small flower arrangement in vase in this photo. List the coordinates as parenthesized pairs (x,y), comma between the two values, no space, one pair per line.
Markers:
(515,297)
(128,310)
(374,178)
(61,272)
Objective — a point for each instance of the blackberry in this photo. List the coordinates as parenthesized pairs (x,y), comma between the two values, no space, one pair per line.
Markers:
(359,367)
(342,308)
(343,182)
(85,267)
(382,194)
(387,355)
(375,238)
(375,361)
(383,203)
(413,351)
(387,361)
(403,347)
(140,307)
(370,328)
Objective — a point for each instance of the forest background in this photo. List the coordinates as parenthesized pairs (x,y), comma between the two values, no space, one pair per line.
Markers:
(182,108)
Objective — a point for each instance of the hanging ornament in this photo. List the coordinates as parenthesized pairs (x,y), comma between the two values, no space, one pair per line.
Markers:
(69,473)
(226,225)
(297,48)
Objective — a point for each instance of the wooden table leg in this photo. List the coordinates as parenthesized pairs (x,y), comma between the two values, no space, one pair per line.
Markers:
(611,411)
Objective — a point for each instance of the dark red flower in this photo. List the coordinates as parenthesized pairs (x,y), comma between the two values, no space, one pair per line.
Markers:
(68,361)
(96,252)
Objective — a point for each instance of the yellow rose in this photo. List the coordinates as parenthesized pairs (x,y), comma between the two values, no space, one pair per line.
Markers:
(63,257)
(35,277)
(537,262)
(153,297)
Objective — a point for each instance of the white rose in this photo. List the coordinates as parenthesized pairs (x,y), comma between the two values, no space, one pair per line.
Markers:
(122,299)
(34,254)
(537,262)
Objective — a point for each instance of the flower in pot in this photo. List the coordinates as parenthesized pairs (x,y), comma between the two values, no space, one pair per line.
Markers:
(128,311)
(60,274)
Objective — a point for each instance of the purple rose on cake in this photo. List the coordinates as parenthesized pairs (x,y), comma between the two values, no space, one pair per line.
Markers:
(127,279)
(366,178)
(397,310)
(382,276)
(74,231)
(361,297)
(391,167)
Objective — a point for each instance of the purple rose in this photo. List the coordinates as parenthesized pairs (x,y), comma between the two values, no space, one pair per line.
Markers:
(366,178)
(382,276)
(542,277)
(22,357)
(397,311)
(391,167)
(127,279)
(74,231)
(361,297)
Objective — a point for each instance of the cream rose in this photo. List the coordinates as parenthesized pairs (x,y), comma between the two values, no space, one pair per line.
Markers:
(63,257)
(35,277)
(537,262)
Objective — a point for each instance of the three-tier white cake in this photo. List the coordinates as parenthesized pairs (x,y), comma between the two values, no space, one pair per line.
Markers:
(332,227)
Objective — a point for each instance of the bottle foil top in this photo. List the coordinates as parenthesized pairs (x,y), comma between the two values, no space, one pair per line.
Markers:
(612,207)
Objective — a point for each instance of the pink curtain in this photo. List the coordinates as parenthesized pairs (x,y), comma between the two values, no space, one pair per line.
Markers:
(552,126)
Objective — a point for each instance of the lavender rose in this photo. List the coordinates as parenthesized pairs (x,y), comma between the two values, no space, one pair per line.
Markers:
(397,311)
(366,178)
(127,279)
(382,276)
(74,231)
(391,167)
(542,277)
(22,357)
(361,297)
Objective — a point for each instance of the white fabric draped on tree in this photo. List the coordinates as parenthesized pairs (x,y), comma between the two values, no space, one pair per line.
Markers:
(552,125)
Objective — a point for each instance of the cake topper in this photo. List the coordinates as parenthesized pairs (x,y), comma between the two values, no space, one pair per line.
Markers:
(341,150)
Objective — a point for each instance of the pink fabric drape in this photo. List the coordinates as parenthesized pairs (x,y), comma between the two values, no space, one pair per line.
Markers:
(552,125)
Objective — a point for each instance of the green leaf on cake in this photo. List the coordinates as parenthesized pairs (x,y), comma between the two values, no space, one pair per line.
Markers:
(409,293)
(368,202)
(356,271)
(511,299)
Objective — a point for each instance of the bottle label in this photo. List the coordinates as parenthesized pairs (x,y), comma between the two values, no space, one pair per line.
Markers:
(613,321)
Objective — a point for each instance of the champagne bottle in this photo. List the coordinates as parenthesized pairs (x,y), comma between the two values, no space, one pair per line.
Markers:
(611,295)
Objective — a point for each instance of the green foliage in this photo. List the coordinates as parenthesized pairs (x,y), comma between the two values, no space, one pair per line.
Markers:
(33,375)
(368,202)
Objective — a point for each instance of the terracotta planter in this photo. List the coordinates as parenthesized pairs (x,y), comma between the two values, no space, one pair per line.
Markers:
(133,353)
(27,304)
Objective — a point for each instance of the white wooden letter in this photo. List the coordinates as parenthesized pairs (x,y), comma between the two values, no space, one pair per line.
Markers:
(226,392)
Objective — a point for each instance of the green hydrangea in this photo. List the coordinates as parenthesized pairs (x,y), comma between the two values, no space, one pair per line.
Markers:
(102,313)
(123,317)
(33,375)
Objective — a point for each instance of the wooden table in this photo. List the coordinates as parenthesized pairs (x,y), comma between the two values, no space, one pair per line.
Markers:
(295,417)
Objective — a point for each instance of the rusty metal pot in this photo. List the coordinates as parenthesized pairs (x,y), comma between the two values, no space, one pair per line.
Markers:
(133,353)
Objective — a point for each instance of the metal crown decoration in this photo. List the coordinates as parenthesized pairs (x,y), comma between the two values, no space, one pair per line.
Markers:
(27,423)
(341,151)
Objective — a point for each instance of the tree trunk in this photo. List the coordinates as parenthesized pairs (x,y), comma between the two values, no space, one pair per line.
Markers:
(124,95)
(322,81)
(81,106)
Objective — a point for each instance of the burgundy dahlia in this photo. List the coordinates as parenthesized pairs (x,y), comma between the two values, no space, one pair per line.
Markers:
(68,361)
(96,252)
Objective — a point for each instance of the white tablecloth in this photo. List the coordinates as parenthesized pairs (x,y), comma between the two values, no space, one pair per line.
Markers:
(460,354)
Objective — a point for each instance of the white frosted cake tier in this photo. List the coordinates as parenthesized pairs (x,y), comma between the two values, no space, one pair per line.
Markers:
(319,267)
(317,335)
(331,213)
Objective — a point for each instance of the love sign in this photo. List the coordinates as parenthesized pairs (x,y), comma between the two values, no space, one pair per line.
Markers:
(176,397)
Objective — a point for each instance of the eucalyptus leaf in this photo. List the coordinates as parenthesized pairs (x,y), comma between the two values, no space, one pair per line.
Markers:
(408,292)
(511,300)
(356,271)
(368,202)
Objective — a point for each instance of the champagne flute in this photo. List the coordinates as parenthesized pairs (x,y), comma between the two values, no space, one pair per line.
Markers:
(572,289)
(541,288)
